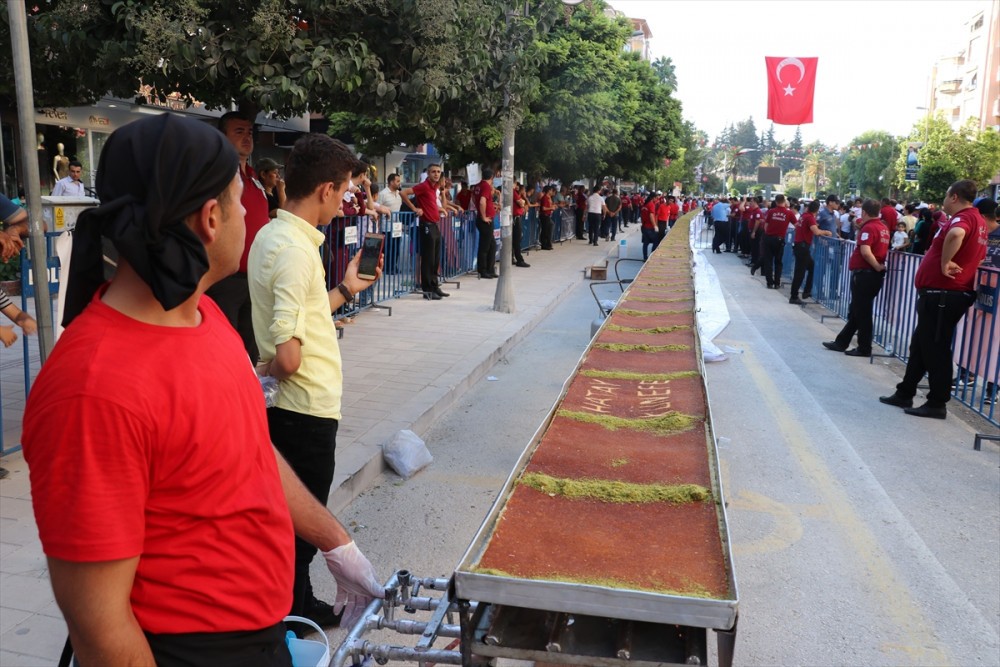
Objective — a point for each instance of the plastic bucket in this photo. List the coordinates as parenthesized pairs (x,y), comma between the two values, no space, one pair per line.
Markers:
(307,652)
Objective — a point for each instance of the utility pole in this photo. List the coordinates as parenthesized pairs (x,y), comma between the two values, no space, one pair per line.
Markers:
(26,119)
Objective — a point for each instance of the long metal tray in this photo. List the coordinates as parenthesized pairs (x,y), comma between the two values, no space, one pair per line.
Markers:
(587,598)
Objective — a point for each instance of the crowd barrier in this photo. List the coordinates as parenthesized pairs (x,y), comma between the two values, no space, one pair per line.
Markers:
(401,276)
(977,340)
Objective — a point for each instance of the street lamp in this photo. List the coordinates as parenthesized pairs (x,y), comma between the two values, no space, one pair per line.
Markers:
(503,300)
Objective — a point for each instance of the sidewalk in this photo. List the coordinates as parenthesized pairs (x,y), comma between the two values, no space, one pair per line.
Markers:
(400,372)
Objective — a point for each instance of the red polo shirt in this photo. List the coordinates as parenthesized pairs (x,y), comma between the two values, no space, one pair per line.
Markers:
(545,203)
(890,216)
(258,213)
(427,200)
(674,211)
(777,219)
(464,199)
(803,228)
(875,235)
(483,189)
(969,255)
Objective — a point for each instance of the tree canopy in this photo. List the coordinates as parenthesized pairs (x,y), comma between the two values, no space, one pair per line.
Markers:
(390,71)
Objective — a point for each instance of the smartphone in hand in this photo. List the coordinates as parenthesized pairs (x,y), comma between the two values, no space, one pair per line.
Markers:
(371,250)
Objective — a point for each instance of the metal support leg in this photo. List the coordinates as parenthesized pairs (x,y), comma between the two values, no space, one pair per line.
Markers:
(982,436)
(726,640)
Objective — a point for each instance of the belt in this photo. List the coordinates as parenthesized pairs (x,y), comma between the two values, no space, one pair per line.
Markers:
(799,244)
(928,292)
(865,271)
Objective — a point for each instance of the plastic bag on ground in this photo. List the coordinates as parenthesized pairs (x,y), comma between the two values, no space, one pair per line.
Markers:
(406,454)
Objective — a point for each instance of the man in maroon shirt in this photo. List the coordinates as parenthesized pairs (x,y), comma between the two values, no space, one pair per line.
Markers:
(946,288)
(776,222)
(232,294)
(888,213)
(805,228)
(867,267)
(426,194)
(482,204)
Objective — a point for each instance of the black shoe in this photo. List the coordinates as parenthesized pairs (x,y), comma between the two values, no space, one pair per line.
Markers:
(796,301)
(834,345)
(4,472)
(523,265)
(486,276)
(770,286)
(753,269)
(896,400)
(777,285)
(806,295)
(440,293)
(432,296)
(322,615)
(857,352)
(928,410)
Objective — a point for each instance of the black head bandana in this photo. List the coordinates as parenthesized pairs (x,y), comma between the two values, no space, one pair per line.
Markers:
(152,174)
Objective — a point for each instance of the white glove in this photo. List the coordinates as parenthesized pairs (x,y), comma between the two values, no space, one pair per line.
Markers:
(356,582)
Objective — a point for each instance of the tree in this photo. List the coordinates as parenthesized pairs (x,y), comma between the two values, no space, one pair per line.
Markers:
(868,163)
(393,64)
(792,151)
(966,153)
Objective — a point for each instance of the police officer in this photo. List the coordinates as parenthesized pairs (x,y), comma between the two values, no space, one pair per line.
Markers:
(776,222)
(805,228)
(946,284)
(867,267)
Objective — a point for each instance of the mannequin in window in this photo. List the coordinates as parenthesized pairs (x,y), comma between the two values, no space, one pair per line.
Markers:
(60,163)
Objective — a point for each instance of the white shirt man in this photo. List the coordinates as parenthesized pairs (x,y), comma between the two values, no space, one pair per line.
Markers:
(71,186)
(389,196)
(595,203)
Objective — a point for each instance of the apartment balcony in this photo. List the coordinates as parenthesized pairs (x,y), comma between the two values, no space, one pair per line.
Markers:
(950,87)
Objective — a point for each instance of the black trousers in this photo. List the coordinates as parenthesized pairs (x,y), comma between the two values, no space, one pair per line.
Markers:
(593,226)
(487,249)
(721,236)
(865,286)
(515,240)
(254,648)
(938,313)
(649,238)
(430,255)
(308,443)
(661,232)
(771,259)
(545,231)
(579,224)
(232,294)
(803,268)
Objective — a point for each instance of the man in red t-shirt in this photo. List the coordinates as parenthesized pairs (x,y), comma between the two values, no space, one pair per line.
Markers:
(464,196)
(867,267)
(888,213)
(946,289)
(545,209)
(662,217)
(232,293)
(675,212)
(520,207)
(429,214)
(172,543)
(482,204)
(805,228)
(775,226)
(647,218)
(754,239)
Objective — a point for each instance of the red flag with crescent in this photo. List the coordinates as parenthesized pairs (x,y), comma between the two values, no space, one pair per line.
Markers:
(791,83)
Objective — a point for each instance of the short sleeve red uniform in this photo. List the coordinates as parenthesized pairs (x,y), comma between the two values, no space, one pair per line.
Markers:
(803,228)
(970,254)
(875,235)
(776,221)
(258,213)
(890,216)
(464,199)
(152,442)
(481,190)
(427,200)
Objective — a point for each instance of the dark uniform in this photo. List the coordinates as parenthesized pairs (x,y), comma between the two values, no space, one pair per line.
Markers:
(866,283)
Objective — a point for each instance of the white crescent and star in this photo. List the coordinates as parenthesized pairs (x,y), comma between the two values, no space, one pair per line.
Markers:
(789,90)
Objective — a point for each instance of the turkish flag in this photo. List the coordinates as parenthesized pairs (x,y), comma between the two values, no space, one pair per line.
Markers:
(791,83)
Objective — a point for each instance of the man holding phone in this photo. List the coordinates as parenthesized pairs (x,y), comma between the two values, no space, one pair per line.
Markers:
(295,333)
